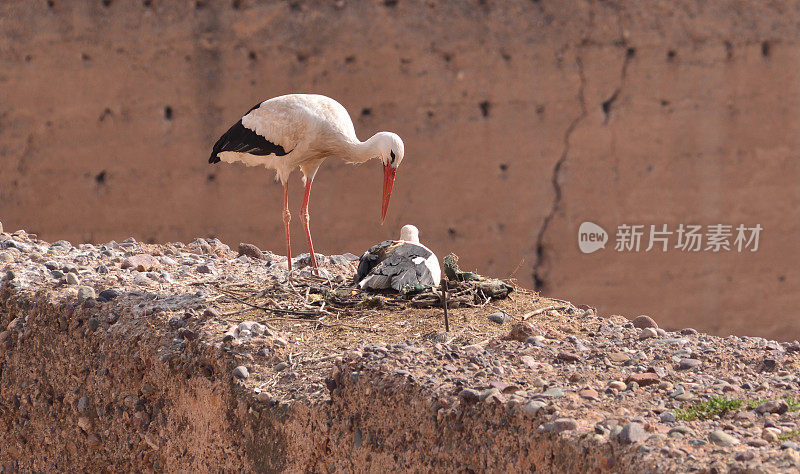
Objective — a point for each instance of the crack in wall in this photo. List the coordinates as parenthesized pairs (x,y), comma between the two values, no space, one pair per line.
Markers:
(630,52)
(538,276)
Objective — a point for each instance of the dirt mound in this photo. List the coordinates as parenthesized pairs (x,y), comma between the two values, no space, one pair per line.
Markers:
(198,363)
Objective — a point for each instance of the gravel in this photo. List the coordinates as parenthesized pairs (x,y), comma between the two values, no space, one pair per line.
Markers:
(644,321)
(85,293)
(721,438)
(632,433)
(241,372)
(499,317)
(590,378)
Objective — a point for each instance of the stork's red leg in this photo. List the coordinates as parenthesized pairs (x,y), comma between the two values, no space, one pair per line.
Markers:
(304,219)
(287,217)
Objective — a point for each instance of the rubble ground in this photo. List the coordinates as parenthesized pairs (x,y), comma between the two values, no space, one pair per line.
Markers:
(641,397)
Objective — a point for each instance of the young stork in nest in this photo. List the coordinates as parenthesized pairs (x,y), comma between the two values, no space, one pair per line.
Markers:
(302,130)
(399,264)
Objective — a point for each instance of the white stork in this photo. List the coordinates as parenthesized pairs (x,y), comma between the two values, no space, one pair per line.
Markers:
(399,264)
(302,130)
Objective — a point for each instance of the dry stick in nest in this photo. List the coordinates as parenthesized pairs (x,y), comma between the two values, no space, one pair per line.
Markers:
(541,310)
(275,310)
(444,305)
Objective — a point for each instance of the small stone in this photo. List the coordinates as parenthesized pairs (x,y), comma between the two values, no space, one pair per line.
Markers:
(520,332)
(644,379)
(107,295)
(568,356)
(532,407)
(643,321)
(685,397)
(241,372)
(617,385)
(142,262)
(680,432)
(85,424)
(757,442)
(537,341)
(254,327)
(93,323)
(554,392)
(721,438)
(93,441)
(744,456)
(251,251)
(688,331)
(647,333)
(772,406)
(529,362)
(72,279)
(499,317)
(488,393)
(469,396)
(632,433)
(564,424)
(589,394)
(83,404)
(85,293)
(263,397)
(618,357)
(686,364)
(281,366)
(102,269)
(667,417)
(211,313)
(205,269)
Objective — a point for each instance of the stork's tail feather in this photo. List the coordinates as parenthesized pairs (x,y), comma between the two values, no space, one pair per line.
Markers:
(241,139)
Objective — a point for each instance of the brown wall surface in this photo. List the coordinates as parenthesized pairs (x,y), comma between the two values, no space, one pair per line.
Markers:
(521,120)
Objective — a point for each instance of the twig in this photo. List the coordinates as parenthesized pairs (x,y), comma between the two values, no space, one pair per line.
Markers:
(444,305)
(275,310)
(517,269)
(540,311)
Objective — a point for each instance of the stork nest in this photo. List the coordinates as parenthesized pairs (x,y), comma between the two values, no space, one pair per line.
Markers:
(314,298)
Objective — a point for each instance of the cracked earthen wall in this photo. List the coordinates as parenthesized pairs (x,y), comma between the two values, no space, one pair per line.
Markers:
(80,393)
(521,120)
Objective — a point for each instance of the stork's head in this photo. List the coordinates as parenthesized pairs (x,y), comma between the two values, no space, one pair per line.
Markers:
(409,233)
(390,152)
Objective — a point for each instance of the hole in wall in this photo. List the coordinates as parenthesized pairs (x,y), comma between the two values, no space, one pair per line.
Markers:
(485,105)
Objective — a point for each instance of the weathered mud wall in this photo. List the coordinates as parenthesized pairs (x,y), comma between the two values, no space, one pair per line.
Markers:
(97,389)
(521,120)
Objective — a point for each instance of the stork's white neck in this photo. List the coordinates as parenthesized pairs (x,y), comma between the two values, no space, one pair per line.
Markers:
(360,152)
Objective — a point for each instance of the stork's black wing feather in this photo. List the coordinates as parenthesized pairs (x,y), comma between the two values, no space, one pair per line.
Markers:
(370,259)
(243,140)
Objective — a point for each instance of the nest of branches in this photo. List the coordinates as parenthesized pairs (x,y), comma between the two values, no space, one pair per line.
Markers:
(313,298)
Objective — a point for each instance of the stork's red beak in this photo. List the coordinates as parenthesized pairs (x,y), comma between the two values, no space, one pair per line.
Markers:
(388,182)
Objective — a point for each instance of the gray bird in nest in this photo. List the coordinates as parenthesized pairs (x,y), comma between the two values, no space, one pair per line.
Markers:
(404,265)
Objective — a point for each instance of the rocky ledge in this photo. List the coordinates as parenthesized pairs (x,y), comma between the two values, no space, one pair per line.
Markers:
(173,357)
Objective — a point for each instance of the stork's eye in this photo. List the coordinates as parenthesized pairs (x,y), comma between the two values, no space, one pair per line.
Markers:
(391,153)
